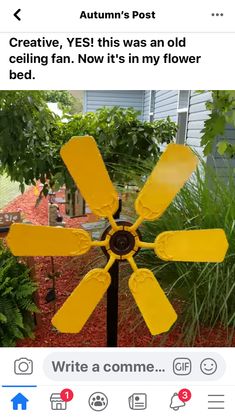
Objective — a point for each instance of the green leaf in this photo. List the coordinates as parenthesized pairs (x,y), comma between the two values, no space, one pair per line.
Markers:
(16,299)
(207,149)
(3,318)
(222,147)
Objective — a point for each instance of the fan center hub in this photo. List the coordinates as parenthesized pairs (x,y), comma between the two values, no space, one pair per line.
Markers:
(121,243)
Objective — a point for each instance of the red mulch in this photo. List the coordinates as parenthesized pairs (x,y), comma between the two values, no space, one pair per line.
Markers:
(132,329)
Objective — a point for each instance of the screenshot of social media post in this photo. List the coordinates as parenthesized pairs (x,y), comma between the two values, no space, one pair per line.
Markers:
(117,209)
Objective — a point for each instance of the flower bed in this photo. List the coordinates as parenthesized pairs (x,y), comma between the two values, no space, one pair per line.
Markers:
(132,329)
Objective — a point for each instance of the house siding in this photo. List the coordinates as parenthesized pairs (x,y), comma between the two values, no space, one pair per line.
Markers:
(221,164)
(166,102)
(196,117)
(198,114)
(95,99)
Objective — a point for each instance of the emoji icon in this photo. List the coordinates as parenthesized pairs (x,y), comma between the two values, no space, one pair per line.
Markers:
(208,366)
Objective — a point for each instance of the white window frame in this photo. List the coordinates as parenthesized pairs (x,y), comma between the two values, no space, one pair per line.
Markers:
(182,112)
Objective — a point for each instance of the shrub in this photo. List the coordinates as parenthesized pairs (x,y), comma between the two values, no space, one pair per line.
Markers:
(124,139)
(16,299)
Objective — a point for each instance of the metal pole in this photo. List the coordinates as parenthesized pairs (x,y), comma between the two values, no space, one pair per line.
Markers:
(112,298)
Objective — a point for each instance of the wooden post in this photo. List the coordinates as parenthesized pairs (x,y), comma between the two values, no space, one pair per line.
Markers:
(75,205)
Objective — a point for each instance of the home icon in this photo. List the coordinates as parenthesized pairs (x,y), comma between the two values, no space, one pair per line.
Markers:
(19,402)
(57,403)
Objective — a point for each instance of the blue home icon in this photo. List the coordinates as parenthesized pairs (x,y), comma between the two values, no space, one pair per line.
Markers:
(19,402)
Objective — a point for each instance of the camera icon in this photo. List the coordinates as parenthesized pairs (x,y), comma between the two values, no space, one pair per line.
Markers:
(23,365)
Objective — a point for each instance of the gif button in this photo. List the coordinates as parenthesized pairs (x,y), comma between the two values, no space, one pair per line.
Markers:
(182,366)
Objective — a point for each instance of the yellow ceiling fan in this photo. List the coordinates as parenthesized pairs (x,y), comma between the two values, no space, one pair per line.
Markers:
(121,240)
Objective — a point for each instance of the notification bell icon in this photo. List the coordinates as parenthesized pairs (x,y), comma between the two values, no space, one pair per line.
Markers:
(176,403)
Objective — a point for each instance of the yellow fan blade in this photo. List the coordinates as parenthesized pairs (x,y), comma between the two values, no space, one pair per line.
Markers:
(206,245)
(170,173)
(32,240)
(153,304)
(85,164)
(74,313)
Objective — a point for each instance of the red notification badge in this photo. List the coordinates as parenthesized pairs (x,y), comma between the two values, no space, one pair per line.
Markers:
(66,395)
(184,395)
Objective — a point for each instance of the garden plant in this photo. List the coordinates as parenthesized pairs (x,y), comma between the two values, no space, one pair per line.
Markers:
(16,299)
(205,292)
